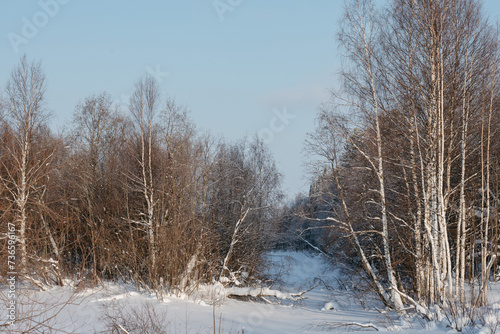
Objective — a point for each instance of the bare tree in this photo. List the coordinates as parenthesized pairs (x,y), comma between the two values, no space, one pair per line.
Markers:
(95,139)
(358,37)
(246,189)
(26,115)
(144,105)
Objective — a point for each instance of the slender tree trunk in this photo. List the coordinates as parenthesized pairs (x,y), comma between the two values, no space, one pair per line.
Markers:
(234,240)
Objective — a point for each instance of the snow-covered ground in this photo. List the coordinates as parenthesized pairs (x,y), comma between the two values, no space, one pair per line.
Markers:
(332,305)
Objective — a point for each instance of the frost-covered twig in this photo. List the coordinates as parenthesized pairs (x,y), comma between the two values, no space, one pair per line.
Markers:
(314,247)
(123,329)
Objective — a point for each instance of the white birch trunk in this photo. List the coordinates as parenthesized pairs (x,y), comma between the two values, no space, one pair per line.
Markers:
(234,240)
(23,191)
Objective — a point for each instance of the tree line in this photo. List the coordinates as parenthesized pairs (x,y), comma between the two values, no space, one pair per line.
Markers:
(143,196)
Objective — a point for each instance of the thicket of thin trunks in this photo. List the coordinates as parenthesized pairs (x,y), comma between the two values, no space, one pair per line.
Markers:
(140,195)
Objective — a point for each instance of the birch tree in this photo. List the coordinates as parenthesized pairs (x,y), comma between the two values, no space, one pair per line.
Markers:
(358,38)
(25,98)
(144,105)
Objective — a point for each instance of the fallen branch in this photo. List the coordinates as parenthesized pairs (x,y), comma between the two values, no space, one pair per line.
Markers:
(428,314)
(336,325)
(266,292)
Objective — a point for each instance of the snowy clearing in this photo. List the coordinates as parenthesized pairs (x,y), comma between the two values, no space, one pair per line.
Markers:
(327,307)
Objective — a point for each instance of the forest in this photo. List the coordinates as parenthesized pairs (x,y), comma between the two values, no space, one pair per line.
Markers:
(405,162)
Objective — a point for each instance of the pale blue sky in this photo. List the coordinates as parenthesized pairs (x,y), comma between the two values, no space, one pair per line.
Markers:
(234,69)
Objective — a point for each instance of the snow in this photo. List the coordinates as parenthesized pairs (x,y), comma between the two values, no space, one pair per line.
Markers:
(330,306)
(326,307)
